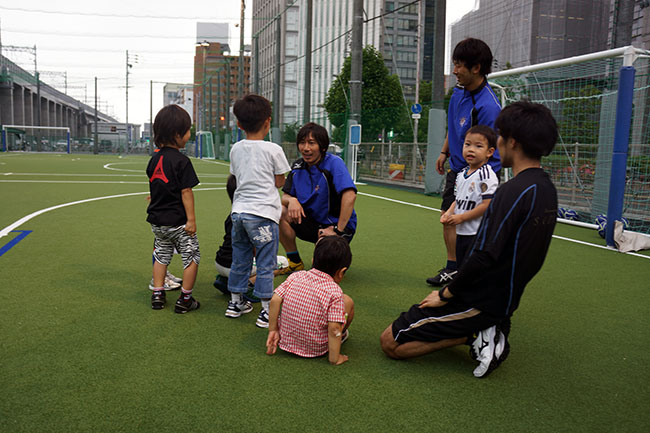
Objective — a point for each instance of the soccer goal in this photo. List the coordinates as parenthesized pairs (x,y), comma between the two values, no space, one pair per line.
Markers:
(204,145)
(601,101)
(22,138)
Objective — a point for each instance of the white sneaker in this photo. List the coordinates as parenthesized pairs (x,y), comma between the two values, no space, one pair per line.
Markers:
(235,310)
(167,286)
(170,276)
(483,349)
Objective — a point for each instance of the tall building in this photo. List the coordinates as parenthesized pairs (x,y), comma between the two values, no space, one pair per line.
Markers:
(526,32)
(216,85)
(393,34)
(180,94)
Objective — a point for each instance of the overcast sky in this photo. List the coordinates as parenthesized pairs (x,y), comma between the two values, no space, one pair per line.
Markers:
(87,39)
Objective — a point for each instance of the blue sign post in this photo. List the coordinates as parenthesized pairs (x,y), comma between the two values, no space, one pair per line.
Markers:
(355,134)
(416,108)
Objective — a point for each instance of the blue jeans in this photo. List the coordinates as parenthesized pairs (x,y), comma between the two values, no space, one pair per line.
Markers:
(248,232)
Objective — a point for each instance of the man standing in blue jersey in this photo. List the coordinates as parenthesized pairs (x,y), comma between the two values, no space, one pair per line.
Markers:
(472,103)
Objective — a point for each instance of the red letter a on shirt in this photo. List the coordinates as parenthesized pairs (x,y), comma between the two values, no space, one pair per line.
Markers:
(158,172)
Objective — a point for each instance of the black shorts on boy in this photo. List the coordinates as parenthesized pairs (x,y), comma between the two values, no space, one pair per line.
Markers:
(452,320)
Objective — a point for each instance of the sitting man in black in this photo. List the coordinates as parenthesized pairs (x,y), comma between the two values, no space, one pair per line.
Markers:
(510,248)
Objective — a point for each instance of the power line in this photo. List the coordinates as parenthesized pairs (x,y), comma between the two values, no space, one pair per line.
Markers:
(114,15)
(106,35)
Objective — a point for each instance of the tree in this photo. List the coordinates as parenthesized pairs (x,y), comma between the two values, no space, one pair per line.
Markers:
(382,103)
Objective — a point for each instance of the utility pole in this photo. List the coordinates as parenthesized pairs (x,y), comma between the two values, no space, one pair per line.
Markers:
(240,90)
(357,61)
(228,139)
(150,117)
(307,91)
(418,65)
(96,142)
(275,133)
(256,59)
(128,65)
(437,56)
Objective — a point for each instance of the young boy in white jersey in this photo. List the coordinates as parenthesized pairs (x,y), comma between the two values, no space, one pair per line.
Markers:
(475,186)
(259,167)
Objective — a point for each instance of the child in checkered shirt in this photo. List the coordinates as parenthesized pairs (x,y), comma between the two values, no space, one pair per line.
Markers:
(309,314)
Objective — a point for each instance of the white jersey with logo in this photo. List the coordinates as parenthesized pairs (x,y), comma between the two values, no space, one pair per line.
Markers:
(471,190)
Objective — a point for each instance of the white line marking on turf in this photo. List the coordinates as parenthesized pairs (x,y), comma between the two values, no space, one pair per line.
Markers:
(5,231)
(555,236)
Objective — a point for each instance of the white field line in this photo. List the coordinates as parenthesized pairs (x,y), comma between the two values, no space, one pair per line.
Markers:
(555,236)
(5,231)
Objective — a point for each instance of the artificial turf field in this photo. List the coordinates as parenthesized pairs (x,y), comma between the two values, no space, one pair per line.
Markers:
(82,350)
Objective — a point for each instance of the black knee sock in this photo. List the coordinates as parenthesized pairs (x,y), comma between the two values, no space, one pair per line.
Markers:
(294,256)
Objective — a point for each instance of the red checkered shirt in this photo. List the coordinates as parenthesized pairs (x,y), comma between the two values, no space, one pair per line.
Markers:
(310,299)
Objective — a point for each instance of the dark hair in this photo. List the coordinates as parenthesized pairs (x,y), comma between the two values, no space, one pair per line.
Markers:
(486,132)
(531,125)
(252,111)
(331,254)
(170,121)
(472,52)
(318,132)
(231,186)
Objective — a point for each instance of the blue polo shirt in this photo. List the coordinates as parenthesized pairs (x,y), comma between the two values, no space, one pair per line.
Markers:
(318,188)
(459,120)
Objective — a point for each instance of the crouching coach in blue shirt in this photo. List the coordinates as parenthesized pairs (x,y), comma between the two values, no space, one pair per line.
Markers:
(318,196)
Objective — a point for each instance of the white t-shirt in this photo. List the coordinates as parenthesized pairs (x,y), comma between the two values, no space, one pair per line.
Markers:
(471,190)
(255,164)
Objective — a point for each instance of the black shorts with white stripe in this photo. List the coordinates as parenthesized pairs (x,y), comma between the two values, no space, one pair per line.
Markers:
(452,320)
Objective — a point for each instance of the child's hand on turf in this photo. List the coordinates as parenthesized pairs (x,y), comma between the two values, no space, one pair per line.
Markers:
(272,342)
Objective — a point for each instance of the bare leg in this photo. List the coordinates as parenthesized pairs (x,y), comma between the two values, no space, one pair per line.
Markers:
(159,272)
(348,304)
(287,235)
(189,276)
(449,234)
(413,348)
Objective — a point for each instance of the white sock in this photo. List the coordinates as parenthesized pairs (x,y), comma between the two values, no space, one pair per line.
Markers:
(265,304)
(236,297)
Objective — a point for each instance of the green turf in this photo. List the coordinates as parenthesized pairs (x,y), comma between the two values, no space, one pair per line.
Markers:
(81,349)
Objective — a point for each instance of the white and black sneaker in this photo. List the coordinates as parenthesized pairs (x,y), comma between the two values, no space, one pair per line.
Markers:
(262,319)
(444,277)
(235,309)
(169,285)
(169,277)
(490,348)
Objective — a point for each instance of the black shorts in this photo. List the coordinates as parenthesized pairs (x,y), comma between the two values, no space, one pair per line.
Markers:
(452,320)
(308,229)
(463,247)
(448,194)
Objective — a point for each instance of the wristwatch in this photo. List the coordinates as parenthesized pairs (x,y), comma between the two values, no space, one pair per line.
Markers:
(339,232)
(443,298)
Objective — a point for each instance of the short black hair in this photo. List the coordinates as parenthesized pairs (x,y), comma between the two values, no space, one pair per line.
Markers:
(231,186)
(170,121)
(486,132)
(332,253)
(472,52)
(252,111)
(318,132)
(532,125)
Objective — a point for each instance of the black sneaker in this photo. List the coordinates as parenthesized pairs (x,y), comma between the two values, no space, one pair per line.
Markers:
(262,319)
(221,284)
(158,300)
(235,310)
(445,276)
(185,305)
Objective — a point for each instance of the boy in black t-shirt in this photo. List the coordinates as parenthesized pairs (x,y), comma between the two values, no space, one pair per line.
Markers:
(510,248)
(171,211)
